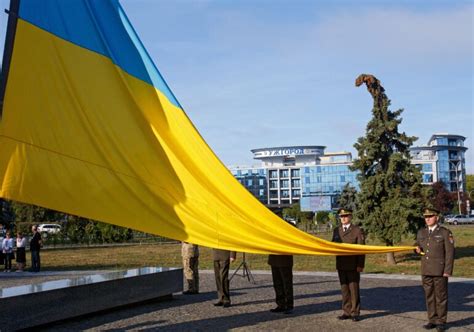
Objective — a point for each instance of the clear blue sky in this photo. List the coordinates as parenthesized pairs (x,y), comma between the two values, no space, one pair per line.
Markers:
(267,73)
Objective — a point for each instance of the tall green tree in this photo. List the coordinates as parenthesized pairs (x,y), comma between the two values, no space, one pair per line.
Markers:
(7,215)
(303,219)
(347,199)
(391,196)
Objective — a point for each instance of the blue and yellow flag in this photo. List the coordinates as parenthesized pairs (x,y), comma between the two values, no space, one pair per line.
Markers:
(90,128)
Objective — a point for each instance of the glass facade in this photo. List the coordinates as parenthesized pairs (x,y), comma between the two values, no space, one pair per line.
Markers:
(330,180)
(325,182)
(442,160)
(254,180)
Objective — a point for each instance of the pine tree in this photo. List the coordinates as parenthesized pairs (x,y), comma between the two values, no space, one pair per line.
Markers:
(391,195)
(347,198)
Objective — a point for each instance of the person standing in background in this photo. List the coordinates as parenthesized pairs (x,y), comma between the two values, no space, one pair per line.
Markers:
(20,252)
(190,255)
(7,249)
(35,247)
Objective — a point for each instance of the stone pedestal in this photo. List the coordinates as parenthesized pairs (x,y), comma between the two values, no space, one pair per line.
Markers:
(35,304)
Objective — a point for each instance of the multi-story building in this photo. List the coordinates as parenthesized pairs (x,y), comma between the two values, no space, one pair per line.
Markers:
(442,159)
(315,178)
(254,179)
(297,173)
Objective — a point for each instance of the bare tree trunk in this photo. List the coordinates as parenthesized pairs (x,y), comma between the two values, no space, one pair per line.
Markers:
(391,258)
(390,255)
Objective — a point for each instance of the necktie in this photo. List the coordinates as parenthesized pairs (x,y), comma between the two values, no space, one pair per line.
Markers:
(345,228)
(430,231)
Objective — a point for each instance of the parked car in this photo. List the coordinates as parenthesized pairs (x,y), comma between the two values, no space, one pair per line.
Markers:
(49,228)
(459,219)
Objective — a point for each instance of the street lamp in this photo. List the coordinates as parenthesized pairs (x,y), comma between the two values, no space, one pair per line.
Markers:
(455,164)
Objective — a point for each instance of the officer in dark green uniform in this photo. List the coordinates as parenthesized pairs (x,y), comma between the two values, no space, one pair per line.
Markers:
(436,244)
(222,259)
(282,275)
(349,267)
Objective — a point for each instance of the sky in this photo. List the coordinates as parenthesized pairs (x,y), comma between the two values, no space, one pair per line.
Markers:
(261,73)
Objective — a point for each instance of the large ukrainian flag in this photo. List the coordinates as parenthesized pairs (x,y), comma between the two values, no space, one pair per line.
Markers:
(90,128)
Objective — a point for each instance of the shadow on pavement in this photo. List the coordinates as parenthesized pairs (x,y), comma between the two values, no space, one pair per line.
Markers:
(384,300)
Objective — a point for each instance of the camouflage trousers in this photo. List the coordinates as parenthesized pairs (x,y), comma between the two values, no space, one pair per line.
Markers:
(191,272)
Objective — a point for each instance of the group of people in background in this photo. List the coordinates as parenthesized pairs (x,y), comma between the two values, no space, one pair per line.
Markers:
(8,251)
(434,242)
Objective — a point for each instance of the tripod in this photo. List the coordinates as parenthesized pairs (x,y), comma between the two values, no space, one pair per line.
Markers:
(245,271)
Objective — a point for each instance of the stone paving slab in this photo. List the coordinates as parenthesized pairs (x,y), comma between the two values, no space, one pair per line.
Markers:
(389,303)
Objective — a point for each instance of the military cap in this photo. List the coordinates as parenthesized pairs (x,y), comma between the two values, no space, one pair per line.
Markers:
(430,212)
(344,212)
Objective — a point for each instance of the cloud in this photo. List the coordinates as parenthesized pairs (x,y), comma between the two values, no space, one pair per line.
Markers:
(396,33)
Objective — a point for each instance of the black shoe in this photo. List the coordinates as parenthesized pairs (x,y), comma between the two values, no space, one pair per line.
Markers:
(218,304)
(429,326)
(355,318)
(343,317)
(277,309)
(226,305)
(441,327)
(188,292)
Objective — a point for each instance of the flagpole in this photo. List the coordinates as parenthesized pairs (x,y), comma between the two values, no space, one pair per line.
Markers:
(8,49)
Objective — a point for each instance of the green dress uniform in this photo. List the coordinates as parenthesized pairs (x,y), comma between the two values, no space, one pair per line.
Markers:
(190,255)
(282,275)
(221,272)
(438,259)
(347,266)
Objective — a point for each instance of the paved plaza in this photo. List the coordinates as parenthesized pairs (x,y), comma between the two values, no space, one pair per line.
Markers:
(389,303)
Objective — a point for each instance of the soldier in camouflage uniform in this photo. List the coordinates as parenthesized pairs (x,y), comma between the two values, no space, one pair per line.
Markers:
(190,254)
(436,245)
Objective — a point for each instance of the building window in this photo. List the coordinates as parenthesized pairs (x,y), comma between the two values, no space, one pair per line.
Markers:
(295,173)
(249,183)
(427,178)
(427,168)
(285,193)
(273,174)
(284,183)
(295,183)
(261,182)
(273,184)
(283,173)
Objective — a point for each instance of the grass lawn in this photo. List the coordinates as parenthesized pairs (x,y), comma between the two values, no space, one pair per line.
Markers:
(120,257)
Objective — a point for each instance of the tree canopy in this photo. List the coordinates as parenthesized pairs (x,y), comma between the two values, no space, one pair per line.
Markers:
(391,196)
